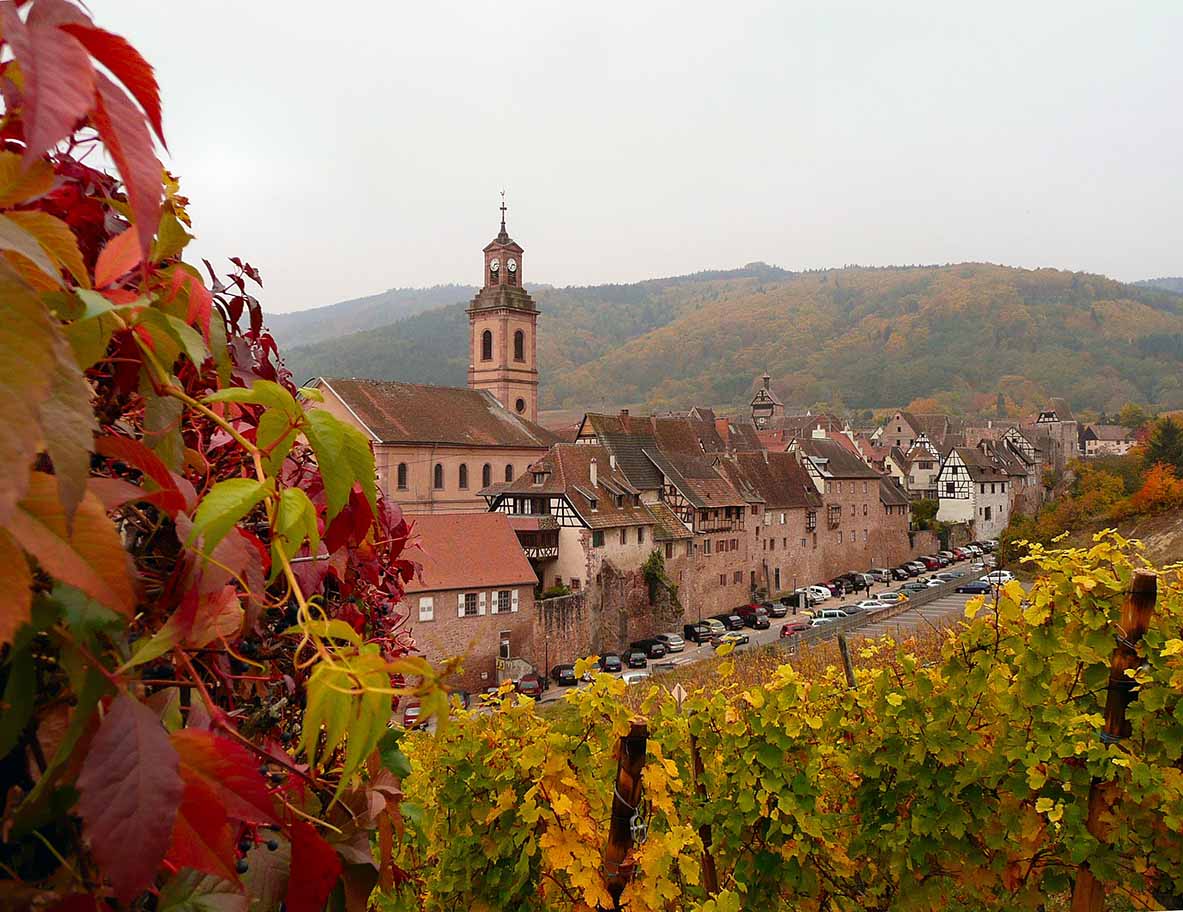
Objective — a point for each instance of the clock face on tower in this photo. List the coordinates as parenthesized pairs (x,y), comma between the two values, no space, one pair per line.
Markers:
(494,265)
(512,265)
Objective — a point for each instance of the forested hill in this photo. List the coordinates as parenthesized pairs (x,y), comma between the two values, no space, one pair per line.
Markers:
(1167,283)
(866,337)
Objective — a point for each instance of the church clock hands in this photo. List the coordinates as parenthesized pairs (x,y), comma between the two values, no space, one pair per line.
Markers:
(495,264)
(511,264)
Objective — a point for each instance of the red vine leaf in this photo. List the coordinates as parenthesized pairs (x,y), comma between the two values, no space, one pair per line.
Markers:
(15,581)
(89,557)
(128,66)
(228,771)
(169,498)
(121,255)
(130,790)
(59,79)
(124,133)
(202,835)
(69,423)
(315,870)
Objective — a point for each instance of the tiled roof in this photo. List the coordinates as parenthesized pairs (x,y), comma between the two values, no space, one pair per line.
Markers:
(778,478)
(698,480)
(693,436)
(668,526)
(628,436)
(891,494)
(982,466)
(567,470)
(834,460)
(738,437)
(467,551)
(415,413)
(1109,432)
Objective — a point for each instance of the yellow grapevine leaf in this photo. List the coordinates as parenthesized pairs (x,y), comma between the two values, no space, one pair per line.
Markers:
(1172,647)
(895,699)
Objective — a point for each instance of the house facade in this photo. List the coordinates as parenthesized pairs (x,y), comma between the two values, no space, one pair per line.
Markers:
(1107,440)
(974,490)
(474,598)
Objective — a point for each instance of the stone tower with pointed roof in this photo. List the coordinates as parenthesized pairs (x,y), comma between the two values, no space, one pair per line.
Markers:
(503,324)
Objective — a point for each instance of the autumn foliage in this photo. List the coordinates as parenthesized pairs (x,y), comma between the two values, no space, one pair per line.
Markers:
(200,646)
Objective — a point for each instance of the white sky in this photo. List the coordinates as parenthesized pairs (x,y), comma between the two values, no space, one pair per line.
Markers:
(351,147)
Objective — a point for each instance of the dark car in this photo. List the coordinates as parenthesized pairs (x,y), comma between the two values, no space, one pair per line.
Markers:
(610,662)
(653,648)
(915,586)
(975,587)
(852,581)
(754,616)
(529,685)
(794,626)
(900,574)
(775,609)
(729,620)
(635,658)
(836,587)
(564,675)
(696,633)
(464,697)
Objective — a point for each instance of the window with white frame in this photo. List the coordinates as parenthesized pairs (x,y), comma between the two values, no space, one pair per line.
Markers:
(470,604)
(502,605)
(427,608)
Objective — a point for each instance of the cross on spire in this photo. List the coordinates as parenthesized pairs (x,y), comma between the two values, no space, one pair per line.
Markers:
(502,211)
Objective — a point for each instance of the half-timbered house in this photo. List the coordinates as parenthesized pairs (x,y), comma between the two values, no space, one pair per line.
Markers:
(973,489)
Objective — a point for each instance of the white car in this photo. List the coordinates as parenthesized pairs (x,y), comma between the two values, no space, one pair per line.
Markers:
(868,605)
(828,615)
(818,593)
(635,677)
(888,598)
(998,577)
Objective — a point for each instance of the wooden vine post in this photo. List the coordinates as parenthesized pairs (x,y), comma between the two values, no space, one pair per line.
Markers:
(1089,893)
(844,650)
(626,801)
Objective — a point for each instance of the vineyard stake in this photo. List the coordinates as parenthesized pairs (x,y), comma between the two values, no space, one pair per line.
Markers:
(626,801)
(1088,894)
(845,650)
(710,877)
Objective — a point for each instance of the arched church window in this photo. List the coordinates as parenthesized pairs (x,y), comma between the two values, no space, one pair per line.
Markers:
(402,476)
(509,473)
(438,477)
(519,346)
(486,475)
(520,405)
(463,477)
(487,346)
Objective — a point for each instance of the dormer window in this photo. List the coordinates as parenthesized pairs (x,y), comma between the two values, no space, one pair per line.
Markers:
(619,498)
(539,477)
(595,504)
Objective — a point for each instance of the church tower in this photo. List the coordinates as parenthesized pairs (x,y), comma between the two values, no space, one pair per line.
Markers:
(503,323)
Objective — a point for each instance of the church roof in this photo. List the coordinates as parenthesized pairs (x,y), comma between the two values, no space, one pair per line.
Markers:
(408,413)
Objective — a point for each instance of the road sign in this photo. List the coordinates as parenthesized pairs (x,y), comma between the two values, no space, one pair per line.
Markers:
(679,694)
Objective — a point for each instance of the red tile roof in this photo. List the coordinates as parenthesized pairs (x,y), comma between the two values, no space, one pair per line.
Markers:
(778,478)
(467,551)
(415,413)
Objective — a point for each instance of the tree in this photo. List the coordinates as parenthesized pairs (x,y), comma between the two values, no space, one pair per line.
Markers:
(1132,416)
(924,513)
(1166,444)
(1000,405)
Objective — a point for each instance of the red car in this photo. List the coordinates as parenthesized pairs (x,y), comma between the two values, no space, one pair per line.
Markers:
(529,685)
(930,562)
(411,714)
(794,625)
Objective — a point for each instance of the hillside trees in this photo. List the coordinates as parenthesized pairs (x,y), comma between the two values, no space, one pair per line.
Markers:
(1165,445)
(198,639)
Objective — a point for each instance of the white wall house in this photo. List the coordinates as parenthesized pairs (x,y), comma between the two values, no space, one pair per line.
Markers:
(973,488)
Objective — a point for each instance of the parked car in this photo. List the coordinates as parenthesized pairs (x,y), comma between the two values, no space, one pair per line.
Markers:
(933,582)
(464,697)
(775,609)
(411,714)
(794,625)
(915,586)
(828,616)
(529,685)
(974,551)
(610,662)
(715,626)
(754,616)
(889,598)
(837,587)
(869,605)
(990,544)
(900,574)
(880,574)
(635,658)
(943,560)
(732,636)
(999,577)
(698,632)
(851,581)
(564,675)
(635,677)
(819,593)
(930,562)
(652,647)
(673,642)
(947,555)
(916,567)
(975,587)
(960,553)
(947,576)
(730,620)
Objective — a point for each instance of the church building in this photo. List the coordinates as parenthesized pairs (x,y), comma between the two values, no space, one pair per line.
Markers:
(436,447)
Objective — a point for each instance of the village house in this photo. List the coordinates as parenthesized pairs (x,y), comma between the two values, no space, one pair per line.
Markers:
(851,506)
(474,597)
(923,465)
(973,489)
(573,509)
(1056,433)
(767,409)
(904,428)
(437,448)
(1107,440)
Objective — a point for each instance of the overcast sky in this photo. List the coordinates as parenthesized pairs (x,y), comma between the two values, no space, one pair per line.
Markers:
(349,147)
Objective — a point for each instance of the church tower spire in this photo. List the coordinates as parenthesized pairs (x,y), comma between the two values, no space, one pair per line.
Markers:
(503,323)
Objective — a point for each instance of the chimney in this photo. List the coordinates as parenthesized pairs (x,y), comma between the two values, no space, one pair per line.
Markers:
(767,381)
(612,461)
(592,468)
(624,413)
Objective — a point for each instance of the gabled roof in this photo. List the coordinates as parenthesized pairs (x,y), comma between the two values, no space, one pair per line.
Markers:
(1115,432)
(698,480)
(627,436)
(738,437)
(395,412)
(692,436)
(833,460)
(668,527)
(891,494)
(467,551)
(567,471)
(778,479)
(982,466)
